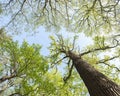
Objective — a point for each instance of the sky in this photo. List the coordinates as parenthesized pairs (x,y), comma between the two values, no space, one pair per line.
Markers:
(42,38)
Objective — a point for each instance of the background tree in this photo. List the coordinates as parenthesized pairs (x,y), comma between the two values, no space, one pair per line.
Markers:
(18,68)
(77,16)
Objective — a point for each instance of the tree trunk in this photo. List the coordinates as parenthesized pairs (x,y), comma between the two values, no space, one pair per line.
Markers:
(96,83)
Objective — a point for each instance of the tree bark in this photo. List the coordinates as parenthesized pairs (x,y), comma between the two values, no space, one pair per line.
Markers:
(96,82)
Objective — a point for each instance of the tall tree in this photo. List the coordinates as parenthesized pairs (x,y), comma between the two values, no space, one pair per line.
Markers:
(96,82)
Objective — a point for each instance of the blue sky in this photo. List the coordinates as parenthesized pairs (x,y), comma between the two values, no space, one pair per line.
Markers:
(42,38)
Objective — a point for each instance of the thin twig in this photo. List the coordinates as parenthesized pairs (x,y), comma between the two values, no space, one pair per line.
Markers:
(70,73)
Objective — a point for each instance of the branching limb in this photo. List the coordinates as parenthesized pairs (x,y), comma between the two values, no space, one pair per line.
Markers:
(7,78)
(60,60)
(70,73)
(98,49)
(104,61)
(14,16)
(63,48)
(10,1)
(112,66)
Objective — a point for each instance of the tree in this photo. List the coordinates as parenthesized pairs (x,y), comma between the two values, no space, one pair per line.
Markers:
(19,67)
(96,83)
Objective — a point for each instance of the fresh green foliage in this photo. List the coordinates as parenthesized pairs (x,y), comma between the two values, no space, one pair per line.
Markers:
(88,16)
(27,72)
(25,63)
(24,71)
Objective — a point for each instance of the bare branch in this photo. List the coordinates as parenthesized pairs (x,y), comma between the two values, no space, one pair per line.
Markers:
(14,16)
(94,2)
(98,49)
(73,43)
(59,60)
(70,73)
(117,35)
(7,78)
(112,66)
(104,61)
(10,1)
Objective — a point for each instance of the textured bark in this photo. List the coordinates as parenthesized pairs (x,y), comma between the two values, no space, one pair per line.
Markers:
(96,83)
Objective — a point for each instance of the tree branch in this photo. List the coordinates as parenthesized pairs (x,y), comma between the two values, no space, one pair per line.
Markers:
(13,18)
(105,60)
(70,73)
(10,1)
(7,78)
(16,94)
(97,49)
(112,66)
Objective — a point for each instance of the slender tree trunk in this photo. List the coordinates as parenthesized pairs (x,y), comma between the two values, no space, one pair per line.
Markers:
(96,83)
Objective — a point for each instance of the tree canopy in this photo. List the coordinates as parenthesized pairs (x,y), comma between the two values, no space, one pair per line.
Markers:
(76,15)
(24,71)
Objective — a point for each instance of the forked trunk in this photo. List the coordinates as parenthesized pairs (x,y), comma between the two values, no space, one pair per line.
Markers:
(96,83)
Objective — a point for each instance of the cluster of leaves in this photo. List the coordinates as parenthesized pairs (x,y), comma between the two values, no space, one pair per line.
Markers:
(86,16)
(24,69)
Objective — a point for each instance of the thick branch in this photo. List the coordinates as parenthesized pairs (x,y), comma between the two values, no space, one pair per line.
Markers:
(105,60)
(97,49)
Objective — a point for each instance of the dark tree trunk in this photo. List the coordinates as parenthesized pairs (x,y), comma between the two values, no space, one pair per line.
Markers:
(96,83)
